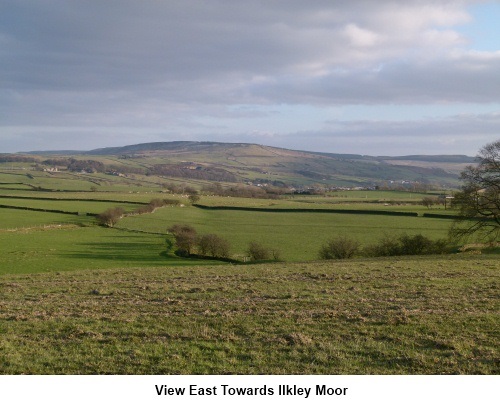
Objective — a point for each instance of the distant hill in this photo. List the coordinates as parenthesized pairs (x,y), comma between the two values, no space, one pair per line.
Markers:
(246,162)
(54,152)
(156,147)
(433,158)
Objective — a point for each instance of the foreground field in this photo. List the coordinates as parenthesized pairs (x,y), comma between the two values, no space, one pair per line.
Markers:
(423,316)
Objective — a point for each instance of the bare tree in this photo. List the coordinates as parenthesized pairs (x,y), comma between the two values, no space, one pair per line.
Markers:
(429,201)
(111,216)
(479,199)
(214,245)
(257,251)
(185,238)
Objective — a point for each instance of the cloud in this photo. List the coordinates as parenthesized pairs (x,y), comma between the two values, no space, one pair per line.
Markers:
(453,78)
(129,44)
(164,64)
(459,134)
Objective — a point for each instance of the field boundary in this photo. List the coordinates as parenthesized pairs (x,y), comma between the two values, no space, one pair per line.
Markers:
(13,207)
(308,210)
(70,199)
(440,216)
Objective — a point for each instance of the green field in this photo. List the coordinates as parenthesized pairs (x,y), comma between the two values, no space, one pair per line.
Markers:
(390,316)
(68,248)
(17,220)
(78,298)
(70,206)
(41,245)
(298,235)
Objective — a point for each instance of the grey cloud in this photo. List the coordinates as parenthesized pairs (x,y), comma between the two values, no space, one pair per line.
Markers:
(163,64)
(104,45)
(463,125)
(467,79)
(460,134)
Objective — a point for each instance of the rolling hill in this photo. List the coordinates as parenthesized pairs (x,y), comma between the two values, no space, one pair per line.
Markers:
(245,162)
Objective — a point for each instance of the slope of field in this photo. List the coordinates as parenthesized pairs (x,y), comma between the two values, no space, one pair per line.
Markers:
(392,316)
(34,242)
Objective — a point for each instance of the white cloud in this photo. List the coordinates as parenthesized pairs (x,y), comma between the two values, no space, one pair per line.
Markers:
(360,37)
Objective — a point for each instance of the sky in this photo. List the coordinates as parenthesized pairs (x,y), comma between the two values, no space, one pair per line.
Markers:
(385,77)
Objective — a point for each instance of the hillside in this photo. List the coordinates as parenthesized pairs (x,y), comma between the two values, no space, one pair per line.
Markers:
(251,163)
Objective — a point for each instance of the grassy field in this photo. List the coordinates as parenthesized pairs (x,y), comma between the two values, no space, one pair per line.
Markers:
(77,298)
(18,220)
(66,246)
(436,315)
(298,235)
(94,207)
(36,241)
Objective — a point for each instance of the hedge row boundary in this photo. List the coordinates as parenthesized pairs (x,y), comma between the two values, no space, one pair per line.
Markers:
(13,207)
(441,216)
(307,210)
(14,197)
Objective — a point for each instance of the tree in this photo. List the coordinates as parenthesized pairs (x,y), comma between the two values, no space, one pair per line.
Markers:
(194,198)
(111,216)
(214,245)
(185,238)
(257,251)
(429,201)
(479,198)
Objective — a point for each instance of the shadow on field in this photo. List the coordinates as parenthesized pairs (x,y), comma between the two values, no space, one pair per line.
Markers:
(121,248)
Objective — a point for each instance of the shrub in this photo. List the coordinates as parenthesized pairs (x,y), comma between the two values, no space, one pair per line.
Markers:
(171,201)
(277,255)
(143,209)
(194,198)
(156,203)
(185,238)
(407,245)
(414,245)
(257,251)
(339,248)
(214,245)
(111,216)
(387,246)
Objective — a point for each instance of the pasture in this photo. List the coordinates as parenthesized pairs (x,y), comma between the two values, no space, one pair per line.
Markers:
(94,207)
(33,242)
(77,298)
(434,315)
(298,235)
